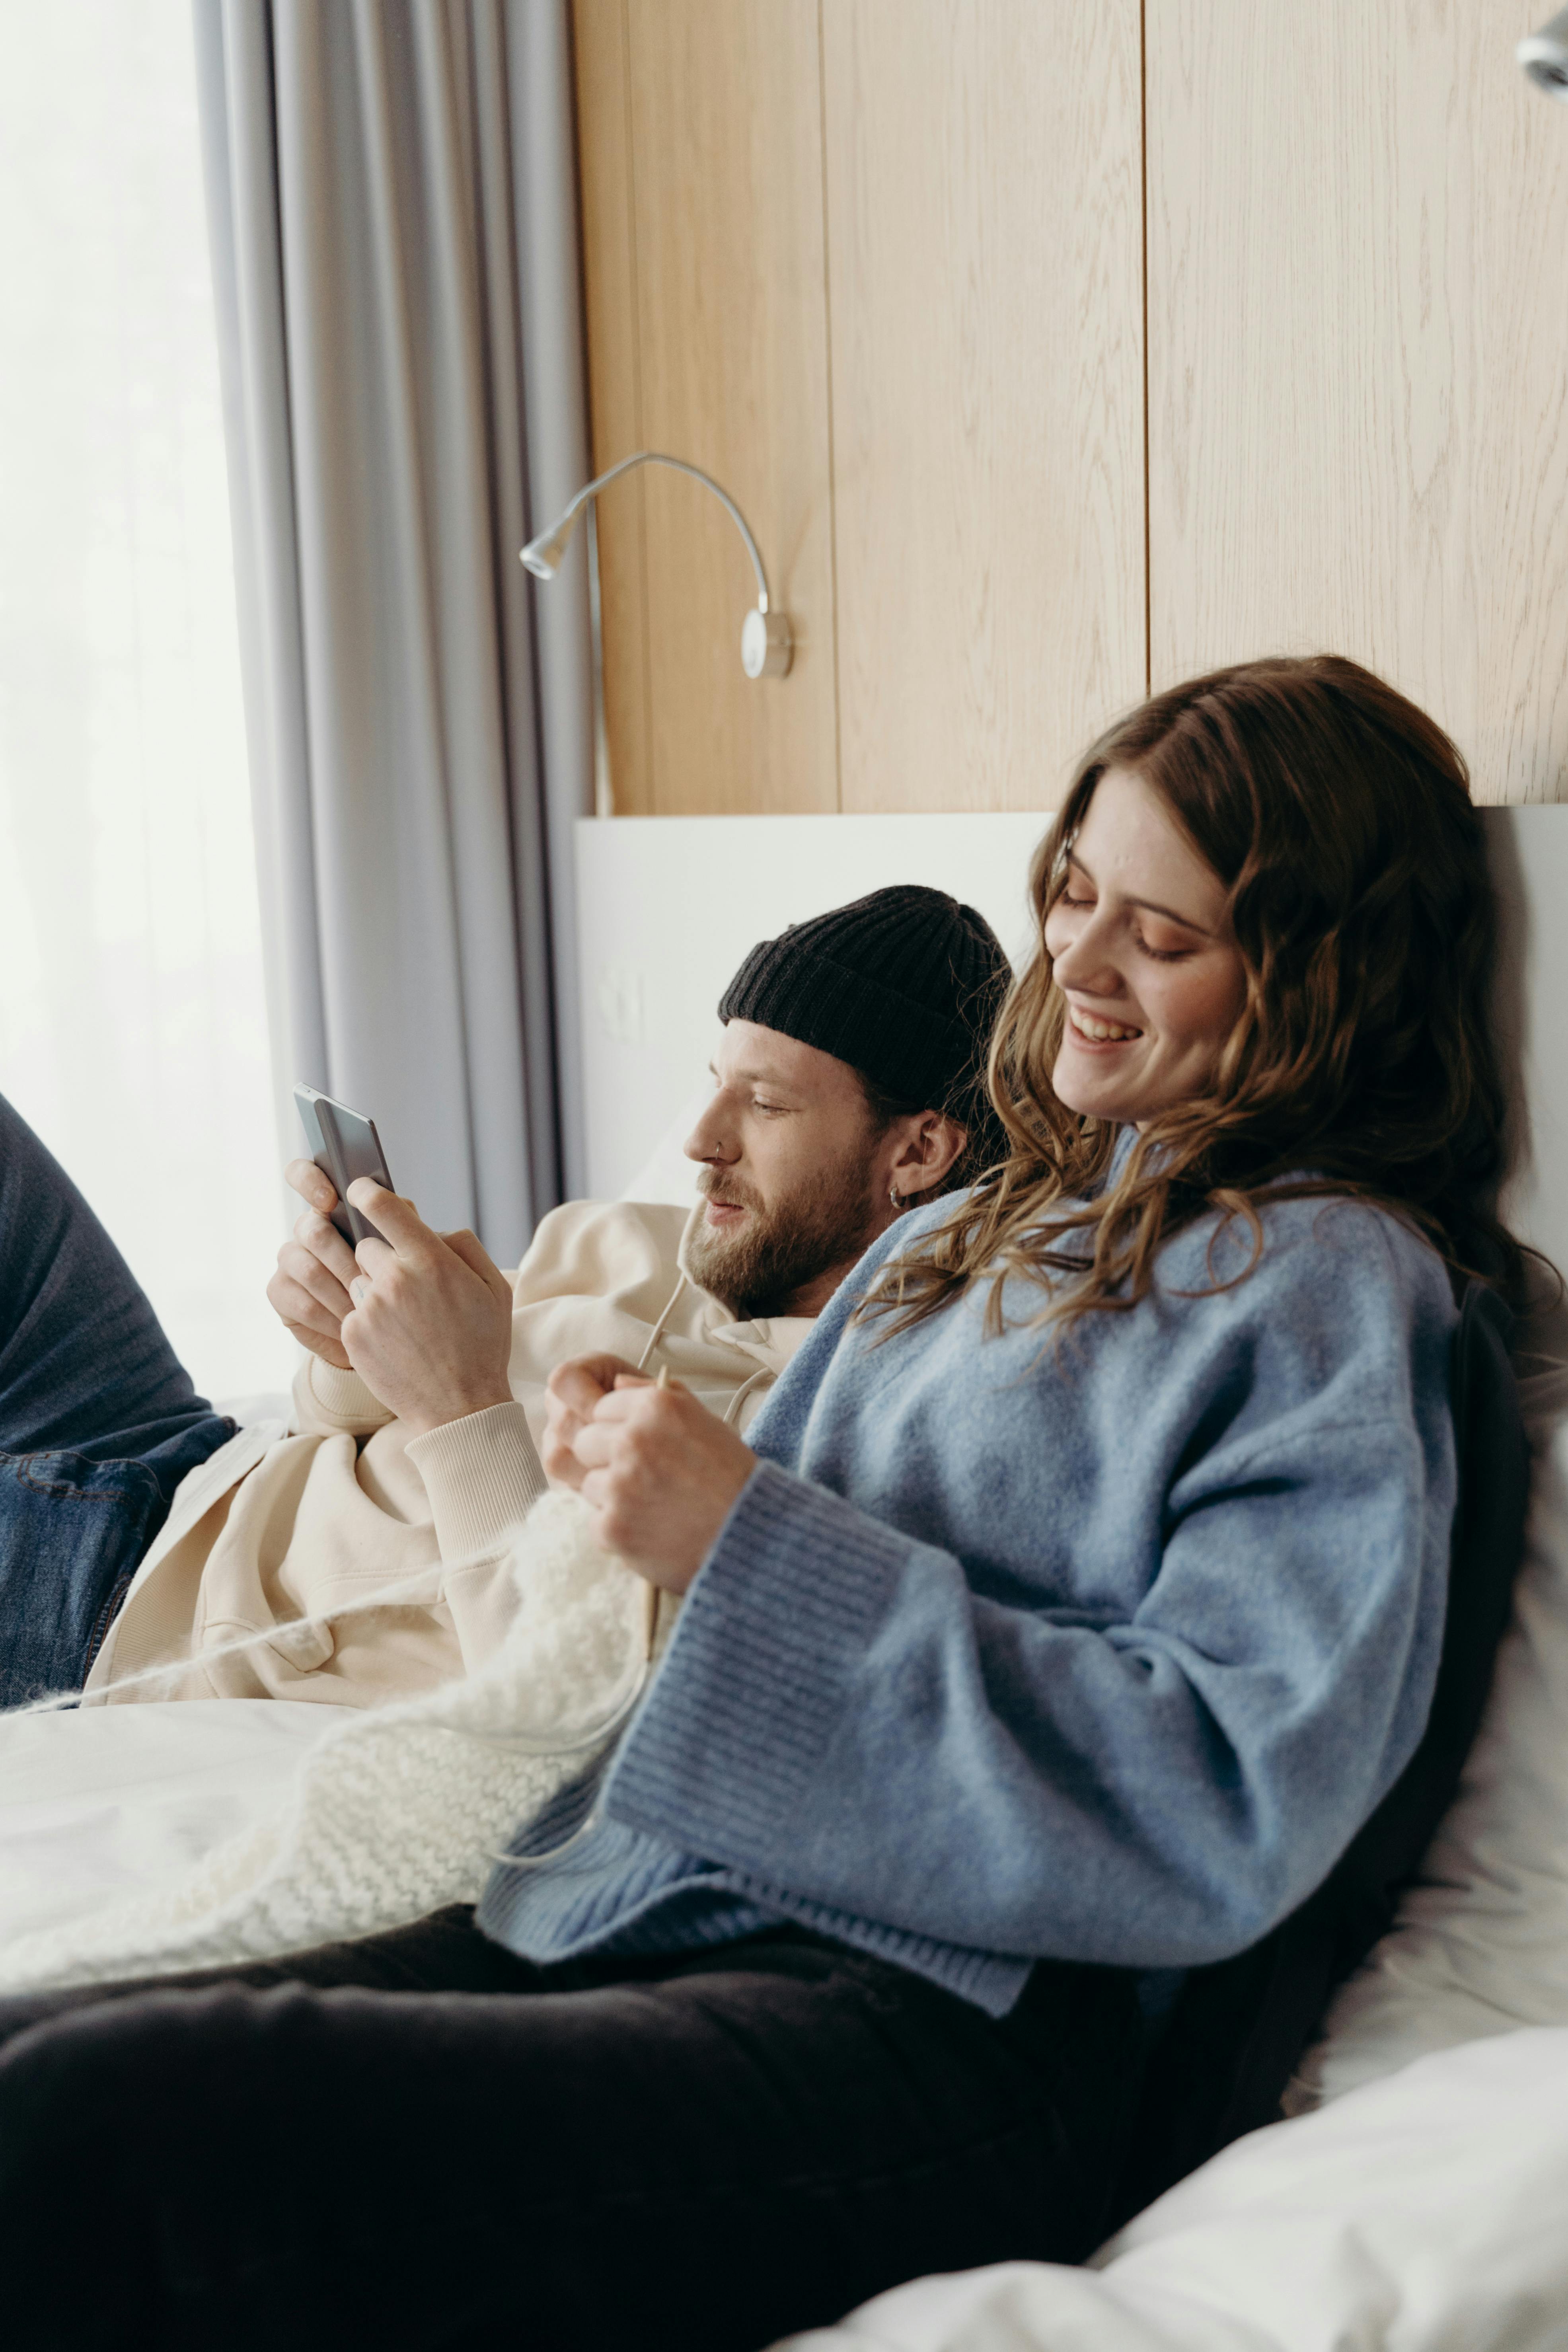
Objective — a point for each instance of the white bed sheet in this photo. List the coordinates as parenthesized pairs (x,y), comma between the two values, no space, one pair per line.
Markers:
(101,1802)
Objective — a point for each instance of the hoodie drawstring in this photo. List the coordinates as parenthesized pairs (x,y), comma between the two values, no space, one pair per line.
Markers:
(742,1392)
(657,1333)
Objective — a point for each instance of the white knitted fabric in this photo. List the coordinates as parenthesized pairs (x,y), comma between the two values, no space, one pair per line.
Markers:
(400,1809)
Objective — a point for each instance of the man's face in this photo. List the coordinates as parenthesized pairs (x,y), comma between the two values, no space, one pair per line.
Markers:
(792,1174)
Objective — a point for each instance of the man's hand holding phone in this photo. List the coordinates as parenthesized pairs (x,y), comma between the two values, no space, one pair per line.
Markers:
(424,1318)
(315,1266)
(430,1328)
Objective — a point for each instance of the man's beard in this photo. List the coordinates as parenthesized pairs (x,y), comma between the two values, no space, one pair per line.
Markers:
(777,1251)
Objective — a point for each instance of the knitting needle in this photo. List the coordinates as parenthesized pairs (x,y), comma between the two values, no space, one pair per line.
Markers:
(652,1626)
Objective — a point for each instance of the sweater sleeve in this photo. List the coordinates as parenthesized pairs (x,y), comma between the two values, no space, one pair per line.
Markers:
(841,1717)
(483,1477)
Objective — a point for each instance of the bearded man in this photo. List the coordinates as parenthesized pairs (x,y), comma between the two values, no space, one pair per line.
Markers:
(849,1081)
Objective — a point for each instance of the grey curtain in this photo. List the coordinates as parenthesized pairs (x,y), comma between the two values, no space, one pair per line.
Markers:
(391,193)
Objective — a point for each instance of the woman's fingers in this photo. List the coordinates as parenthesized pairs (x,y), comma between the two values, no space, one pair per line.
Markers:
(661,1473)
(560,1461)
(569,1401)
(573,1388)
(616,1403)
(577,1385)
(594,1444)
(555,1451)
(593,1485)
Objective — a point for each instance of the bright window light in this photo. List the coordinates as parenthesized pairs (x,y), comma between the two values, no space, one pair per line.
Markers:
(132,1027)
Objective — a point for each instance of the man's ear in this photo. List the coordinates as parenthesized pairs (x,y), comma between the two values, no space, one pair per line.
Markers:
(931,1147)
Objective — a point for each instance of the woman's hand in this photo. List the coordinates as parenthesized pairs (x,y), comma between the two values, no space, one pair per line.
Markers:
(661,1473)
(429,1327)
(572,1393)
(315,1266)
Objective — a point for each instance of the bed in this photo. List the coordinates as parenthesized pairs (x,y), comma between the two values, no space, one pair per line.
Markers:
(1415,2199)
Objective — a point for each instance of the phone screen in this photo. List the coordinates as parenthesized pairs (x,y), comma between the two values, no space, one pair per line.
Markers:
(344,1144)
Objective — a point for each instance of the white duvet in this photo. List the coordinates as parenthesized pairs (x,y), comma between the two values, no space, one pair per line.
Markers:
(195,1842)
(107,1804)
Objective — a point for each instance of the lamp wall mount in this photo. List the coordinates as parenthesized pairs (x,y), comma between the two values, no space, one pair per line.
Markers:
(1543,56)
(766,644)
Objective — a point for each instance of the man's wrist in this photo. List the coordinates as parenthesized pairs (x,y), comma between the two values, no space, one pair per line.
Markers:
(423,1420)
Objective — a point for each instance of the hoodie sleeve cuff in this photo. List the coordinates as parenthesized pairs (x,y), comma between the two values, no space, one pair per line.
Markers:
(483,1477)
(327,1401)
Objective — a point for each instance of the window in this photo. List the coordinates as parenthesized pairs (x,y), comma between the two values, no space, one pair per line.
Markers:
(132,1027)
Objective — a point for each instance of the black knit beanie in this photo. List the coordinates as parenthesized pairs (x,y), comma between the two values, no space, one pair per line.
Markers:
(905,984)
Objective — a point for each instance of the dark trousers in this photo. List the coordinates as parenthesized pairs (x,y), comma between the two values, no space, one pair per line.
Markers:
(99,1423)
(421,2141)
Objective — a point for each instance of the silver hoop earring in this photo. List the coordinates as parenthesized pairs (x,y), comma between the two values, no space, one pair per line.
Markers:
(896,1199)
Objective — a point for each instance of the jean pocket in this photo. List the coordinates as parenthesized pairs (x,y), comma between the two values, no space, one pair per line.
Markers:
(67,1477)
(72,1533)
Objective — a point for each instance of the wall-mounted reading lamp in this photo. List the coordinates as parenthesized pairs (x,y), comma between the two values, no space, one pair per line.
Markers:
(765,642)
(1544,56)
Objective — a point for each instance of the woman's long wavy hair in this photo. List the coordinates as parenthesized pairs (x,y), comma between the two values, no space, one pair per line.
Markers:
(1338,818)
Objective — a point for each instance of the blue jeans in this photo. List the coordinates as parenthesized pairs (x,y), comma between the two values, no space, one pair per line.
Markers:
(99,1423)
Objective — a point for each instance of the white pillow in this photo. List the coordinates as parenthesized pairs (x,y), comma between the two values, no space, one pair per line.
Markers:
(1423,2215)
(1480,1943)
(667,1174)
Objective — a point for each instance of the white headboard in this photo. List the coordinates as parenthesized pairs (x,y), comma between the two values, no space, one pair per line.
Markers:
(668,906)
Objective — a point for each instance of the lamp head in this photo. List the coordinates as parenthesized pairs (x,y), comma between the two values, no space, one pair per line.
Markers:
(543,556)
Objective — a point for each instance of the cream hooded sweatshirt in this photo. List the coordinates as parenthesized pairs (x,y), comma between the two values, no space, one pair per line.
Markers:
(289,1523)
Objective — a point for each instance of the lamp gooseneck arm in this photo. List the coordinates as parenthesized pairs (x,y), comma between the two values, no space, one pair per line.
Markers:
(678,465)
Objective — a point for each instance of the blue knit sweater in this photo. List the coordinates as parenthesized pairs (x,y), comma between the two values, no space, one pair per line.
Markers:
(1100,1651)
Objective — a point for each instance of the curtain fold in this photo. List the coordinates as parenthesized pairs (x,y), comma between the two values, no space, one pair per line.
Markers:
(392,203)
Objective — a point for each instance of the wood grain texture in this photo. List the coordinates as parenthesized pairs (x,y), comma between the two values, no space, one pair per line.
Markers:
(1358,321)
(609,272)
(985,269)
(732,356)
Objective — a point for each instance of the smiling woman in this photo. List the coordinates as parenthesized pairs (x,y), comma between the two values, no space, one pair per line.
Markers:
(1266,941)
(1031,1672)
(1153,990)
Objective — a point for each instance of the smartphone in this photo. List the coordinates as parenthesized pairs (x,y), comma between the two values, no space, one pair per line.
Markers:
(344,1144)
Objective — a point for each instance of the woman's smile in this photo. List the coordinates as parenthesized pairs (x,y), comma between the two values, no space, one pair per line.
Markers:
(1094,1031)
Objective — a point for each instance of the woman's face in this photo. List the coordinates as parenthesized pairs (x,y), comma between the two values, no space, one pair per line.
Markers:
(1143,955)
